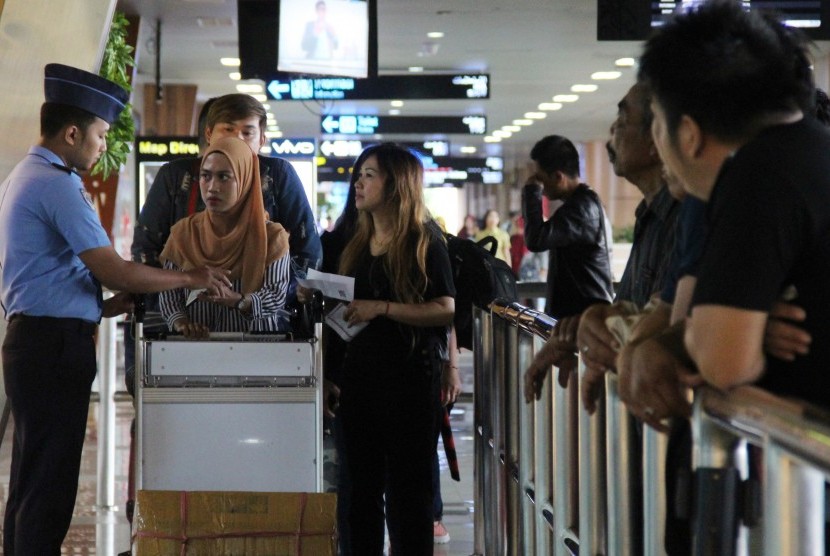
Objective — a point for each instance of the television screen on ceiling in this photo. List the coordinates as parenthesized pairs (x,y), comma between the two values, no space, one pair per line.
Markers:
(307,37)
(324,37)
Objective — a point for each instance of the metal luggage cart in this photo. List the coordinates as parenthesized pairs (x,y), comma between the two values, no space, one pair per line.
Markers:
(237,412)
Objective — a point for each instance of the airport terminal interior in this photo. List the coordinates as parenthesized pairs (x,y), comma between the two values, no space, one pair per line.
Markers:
(468,87)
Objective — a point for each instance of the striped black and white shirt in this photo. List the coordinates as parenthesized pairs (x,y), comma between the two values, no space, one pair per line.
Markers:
(267,304)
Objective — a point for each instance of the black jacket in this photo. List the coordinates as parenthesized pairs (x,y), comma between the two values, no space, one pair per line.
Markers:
(579,274)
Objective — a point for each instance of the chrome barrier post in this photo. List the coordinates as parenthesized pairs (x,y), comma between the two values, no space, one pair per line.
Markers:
(793,506)
(501,516)
(623,474)
(508,363)
(717,480)
(592,479)
(482,433)
(655,446)
(105,493)
(565,474)
(533,486)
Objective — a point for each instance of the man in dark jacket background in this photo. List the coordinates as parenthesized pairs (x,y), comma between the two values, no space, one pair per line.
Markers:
(579,271)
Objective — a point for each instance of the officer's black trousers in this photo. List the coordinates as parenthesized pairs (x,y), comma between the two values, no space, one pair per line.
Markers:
(48,368)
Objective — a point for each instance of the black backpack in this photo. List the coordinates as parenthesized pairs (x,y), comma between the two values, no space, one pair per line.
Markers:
(479,279)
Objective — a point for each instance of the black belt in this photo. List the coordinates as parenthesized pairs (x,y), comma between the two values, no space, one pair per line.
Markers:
(80,326)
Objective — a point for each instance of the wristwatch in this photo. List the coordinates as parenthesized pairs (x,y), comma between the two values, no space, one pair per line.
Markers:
(240,303)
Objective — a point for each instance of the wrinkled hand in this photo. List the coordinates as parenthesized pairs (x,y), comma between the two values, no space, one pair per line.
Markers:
(363,310)
(331,398)
(782,338)
(591,387)
(191,330)
(450,384)
(209,278)
(120,303)
(654,383)
(553,353)
(597,346)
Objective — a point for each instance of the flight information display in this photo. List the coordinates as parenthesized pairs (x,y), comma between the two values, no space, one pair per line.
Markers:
(386,87)
(801,13)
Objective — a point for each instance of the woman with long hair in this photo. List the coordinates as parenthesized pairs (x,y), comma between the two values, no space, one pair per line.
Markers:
(391,370)
(233,233)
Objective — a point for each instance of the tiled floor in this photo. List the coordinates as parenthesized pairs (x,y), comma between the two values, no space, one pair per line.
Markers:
(106,531)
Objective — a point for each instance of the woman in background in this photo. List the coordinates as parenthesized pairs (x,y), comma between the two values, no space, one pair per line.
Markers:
(390,386)
(232,233)
(491,229)
(470,228)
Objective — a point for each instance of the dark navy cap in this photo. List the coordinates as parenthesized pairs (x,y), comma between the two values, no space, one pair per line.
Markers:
(81,89)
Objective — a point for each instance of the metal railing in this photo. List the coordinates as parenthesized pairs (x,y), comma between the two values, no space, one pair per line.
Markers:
(552,480)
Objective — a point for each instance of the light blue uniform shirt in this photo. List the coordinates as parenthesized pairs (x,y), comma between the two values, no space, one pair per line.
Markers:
(46,220)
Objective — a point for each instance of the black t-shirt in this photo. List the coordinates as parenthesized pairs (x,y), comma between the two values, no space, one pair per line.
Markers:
(769,228)
(386,345)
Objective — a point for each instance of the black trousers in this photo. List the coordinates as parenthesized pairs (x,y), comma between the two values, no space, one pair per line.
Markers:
(389,432)
(48,368)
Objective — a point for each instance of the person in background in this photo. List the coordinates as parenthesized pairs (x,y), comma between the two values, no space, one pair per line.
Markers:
(579,271)
(391,372)
(232,233)
(470,228)
(54,258)
(491,229)
(518,249)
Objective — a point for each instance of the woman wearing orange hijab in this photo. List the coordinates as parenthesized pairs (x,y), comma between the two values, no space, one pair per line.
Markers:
(232,233)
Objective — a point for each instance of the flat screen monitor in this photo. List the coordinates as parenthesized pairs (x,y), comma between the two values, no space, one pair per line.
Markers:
(635,19)
(307,37)
(324,37)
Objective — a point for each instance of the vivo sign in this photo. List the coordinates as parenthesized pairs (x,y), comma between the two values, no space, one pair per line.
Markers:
(304,148)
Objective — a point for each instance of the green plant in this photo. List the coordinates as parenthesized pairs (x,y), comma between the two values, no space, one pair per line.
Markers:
(118,57)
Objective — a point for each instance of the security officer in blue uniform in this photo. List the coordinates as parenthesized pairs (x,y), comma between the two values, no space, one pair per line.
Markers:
(54,258)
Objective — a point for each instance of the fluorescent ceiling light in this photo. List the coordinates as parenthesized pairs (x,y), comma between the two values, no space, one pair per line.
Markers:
(489,139)
(230,62)
(602,75)
(416,69)
(565,98)
(273,134)
(394,112)
(547,106)
(435,34)
(524,121)
(235,75)
(260,97)
(584,88)
(624,62)
(396,103)
(501,133)
(468,149)
(535,115)
(249,88)
(511,128)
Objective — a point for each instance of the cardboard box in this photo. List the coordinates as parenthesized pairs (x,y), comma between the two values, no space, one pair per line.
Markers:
(234,523)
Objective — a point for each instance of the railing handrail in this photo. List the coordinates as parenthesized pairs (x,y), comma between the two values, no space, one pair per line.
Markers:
(749,411)
(758,415)
(793,435)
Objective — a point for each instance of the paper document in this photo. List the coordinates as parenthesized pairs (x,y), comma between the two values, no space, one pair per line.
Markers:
(332,285)
(194,295)
(339,324)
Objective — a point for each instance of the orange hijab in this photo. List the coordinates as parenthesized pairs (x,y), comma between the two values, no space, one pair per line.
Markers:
(253,242)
